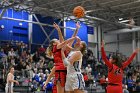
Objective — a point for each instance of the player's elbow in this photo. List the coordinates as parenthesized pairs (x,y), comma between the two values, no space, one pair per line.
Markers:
(10,80)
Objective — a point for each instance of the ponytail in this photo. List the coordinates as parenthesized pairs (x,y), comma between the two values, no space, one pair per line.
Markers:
(83,49)
(50,47)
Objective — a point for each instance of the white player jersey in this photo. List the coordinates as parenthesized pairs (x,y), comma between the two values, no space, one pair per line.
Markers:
(9,85)
(74,78)
(76,66)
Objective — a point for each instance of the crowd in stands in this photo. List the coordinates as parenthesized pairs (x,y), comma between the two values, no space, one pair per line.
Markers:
(36,67)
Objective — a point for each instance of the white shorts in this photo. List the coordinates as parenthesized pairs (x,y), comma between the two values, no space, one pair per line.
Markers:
(8,89)
(74,81)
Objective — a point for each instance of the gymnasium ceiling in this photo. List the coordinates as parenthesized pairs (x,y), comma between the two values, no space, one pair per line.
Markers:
(110,10)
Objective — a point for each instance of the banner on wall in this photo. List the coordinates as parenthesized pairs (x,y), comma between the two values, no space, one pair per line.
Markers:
(90,30)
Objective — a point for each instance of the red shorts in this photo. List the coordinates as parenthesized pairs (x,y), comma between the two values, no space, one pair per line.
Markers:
(114,89)
(60,75)
(59,66)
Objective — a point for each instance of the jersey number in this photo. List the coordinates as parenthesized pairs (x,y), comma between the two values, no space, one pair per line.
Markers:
(117,71)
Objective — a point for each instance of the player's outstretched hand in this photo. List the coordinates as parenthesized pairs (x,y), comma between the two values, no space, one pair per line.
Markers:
(56,26)
(137,50)
(44,87)
(17,82)
(77,25)
(102,44)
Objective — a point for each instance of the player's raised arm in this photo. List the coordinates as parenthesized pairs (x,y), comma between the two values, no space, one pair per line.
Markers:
(61,38)
(104,57)
(125,64)
(75,33)
(65,42)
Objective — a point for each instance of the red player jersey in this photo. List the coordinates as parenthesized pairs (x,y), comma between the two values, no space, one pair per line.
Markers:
(115,74)
(58,59)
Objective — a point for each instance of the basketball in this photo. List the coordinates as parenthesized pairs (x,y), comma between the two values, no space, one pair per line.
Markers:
(79,11)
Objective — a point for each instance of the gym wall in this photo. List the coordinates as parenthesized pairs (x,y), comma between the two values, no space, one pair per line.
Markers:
(14,30)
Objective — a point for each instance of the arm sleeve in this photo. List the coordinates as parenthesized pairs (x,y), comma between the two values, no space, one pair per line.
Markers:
(105,58)
(126,63)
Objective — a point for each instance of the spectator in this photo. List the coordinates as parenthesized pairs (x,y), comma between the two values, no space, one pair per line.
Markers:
(90,58)
(19,66)
(2,54)
(138,84)
(25,48)
(11,53)
(29,71)
(50,65)
(41,62)
(130,84)
(24,55)
(125,89)
(90,76)
(124,79)
(7,48)
(103,82)
(86,79)
(138,88)
(36,57)
(36,77)
(88,68)
(34,86)
(41,50)
(12,60)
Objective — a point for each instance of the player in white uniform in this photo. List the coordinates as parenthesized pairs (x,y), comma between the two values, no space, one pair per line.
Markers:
(74,80)
(10,81)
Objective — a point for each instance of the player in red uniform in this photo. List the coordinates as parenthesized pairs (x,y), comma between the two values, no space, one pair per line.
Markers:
(115,70)
(59,69)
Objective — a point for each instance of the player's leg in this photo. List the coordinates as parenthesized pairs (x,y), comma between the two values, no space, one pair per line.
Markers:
(69,92)
(78,91)
(60,89)
(61,81)
(49,77)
